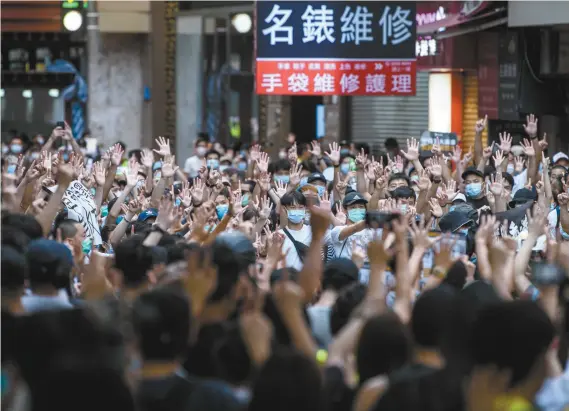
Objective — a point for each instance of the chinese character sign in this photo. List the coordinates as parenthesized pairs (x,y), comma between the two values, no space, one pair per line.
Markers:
(336,48)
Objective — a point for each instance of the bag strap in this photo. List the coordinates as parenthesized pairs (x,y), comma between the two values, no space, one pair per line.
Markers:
(343,246)
(294,243)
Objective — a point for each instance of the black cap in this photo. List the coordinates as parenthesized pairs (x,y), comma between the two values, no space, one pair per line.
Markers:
(354,198)
(316,177)
(453,220)
(341,267)
(523,195)
(472,170)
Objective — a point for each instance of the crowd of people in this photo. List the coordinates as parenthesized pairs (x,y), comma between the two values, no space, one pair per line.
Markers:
(325,279)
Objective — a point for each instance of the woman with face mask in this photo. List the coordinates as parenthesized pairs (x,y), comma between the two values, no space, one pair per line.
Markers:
(297,235)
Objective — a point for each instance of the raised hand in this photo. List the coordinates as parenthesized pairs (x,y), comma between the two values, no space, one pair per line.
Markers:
(263,162)
(341,214)
(497,185)
(132,175)
(255,153)
(519,164)
(531,126)
(528,148)
(325,201)
(498,158)
(265,182)
(436,148)
(167,213)
(67,133)
(399,164)
(201,277)
(316,149)
(505,142)
(147,158)
(281,188)
(334,153)
(540,186)
(100,173)
(456,154)
(197,191)
(361,159)
(265,208)
(65,174)
(487,153)
(481,125)
(292,154)
(436,168)
(116,154)
(412,153)
(563,199)
(295,175)
(467,158)
(543,143)
(163,147)
(169,168)
(424,181)
(450,190)
(420,236)
(435,207)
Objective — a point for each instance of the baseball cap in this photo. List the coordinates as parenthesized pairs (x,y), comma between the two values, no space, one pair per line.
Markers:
(472,170)
(316,177)
(146,214)
(523,195)
(453,220)
(48,260)
(354,198)
(559,156)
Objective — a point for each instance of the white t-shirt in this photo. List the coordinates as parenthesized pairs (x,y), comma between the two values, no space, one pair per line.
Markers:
(343,248)
(193,165)
(304,236)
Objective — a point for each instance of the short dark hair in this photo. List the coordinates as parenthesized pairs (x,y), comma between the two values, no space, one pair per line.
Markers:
(25,222)
(123,145)
(280,165)
(339,273)
(68,228)
(456,276)
(399,176)
(293,198)
(498,331)
(14,237)
(133,259)
(214,152)
(384,346)
(509,178)
(14,269)
(391,143)
(348,299)
(161,321)
(403,192)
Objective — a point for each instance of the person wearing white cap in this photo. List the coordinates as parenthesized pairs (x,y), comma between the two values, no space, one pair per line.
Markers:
(561,159)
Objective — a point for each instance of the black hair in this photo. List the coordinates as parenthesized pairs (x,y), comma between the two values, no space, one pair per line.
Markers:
(310,166)
(250,213)
(123,145)
(431,316)
(67,228)
(280,165)
(391,143)
(500,328)
(25,222)
(509,178)
(212,151)
(456,276)
(177,252)
(348,299)
(277,275)
(134,260)
(161,322)
(14,269)
(14,237)
(140,227)
(384,346)
(365,147)
(287,381)
(339,273)
(403,192)
(293,198)
(137,153)
(399,176)
(203,137)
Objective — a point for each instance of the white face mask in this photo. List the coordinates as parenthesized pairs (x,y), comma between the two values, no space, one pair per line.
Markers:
(282,155)
(200,151)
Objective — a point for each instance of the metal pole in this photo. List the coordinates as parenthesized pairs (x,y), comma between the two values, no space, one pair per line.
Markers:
(93,49)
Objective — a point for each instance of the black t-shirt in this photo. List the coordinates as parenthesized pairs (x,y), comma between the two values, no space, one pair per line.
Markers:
(182,393)
(478,202)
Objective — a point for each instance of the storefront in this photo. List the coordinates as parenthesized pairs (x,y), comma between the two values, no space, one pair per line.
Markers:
(447,94)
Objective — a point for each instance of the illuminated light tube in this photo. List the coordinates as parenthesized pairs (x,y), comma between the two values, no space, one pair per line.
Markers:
(73,20)
(27,94)
(53,92)
(242,22)
(440,102)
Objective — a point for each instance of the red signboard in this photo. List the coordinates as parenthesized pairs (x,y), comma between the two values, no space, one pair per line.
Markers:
(488,75)
(336,77)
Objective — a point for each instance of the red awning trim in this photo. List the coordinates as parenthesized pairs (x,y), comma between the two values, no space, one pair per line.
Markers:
(467,13)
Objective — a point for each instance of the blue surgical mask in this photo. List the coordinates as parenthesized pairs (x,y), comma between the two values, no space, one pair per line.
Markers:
(344,151)
(104,210)
(282,179)
(321,190)
(296,216)
(356,214)
(242,166)
(35,155)
(462,231)
(510,169)
(86,245)
(11,169)
(245,200)
(178,202)
(414,178)
(303,181)
(140,184)
(473,190)
(93,191)
(221,210)
(223,167)
(345,168)
(40,140)
(16,148)
(213,163)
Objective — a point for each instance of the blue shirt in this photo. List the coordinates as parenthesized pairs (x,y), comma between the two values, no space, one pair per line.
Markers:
(554,393)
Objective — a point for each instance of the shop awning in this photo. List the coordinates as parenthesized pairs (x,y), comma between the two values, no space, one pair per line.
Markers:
(465,17)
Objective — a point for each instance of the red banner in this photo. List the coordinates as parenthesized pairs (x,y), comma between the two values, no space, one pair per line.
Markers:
(336,77)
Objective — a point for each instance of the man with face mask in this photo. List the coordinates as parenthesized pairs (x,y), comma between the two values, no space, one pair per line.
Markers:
(194,163)
(474,188)
(298,235)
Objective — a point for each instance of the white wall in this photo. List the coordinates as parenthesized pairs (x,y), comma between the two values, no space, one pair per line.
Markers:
(116,88)
(537,13)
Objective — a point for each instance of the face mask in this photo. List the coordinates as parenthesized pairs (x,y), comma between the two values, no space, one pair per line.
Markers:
(221,210)
(200,151)
(321,190)
(414,178)
(303,181)
(510,169)
(473,190)
(245,200)
(222,168)
(344,151)
(356,214)
(40,140)
(404,208)
(16,148)
(296,216)
(93,191)
(345,168)
(282,179)
(119,219)
(104,210)
(178,202)
(11,169)
(282,155)
(5,149)
(65,156)
(242,166)
(35,155)
(86,245)
(213,164)
(462,231)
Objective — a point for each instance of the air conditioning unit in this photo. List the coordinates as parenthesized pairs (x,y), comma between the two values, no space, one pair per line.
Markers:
(554,53)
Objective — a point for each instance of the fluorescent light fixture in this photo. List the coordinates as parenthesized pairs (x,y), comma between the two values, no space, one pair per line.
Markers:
(27,94)
(242,22)
(2,93)
(440,102)
(73,20)
(53,92)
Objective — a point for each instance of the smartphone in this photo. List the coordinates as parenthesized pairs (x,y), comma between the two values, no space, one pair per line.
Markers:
(60,124)
(378,219)
(458,249)
(11,169)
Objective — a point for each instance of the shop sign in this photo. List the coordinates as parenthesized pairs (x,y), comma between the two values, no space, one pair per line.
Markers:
(335,48)
(426,46)
(447,141)
(488,68)
(508,76)
(431,17)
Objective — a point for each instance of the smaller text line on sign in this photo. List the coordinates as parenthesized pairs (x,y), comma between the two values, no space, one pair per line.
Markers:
(336,77)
